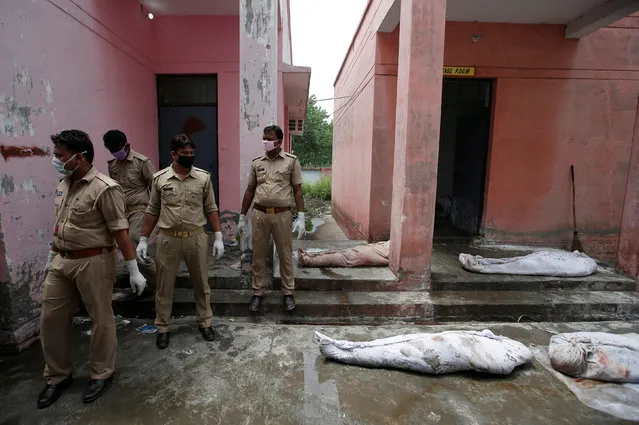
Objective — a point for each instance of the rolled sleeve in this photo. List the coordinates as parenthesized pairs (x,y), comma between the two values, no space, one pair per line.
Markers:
(154,202)
(252,177)
(296,173)
(113,209)
(209,198)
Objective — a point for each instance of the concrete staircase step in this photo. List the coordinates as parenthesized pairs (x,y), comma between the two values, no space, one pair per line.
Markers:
(407,306)
(600,281)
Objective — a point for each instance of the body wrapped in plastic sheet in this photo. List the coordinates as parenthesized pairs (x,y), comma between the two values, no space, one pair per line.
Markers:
(542,263)
(435,353)
(596,355)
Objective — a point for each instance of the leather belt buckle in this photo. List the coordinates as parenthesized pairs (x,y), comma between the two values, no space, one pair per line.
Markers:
(270,211)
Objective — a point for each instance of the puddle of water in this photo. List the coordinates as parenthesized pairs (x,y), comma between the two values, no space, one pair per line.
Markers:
(321,399)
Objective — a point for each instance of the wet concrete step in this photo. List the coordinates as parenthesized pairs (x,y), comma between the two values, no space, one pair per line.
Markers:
(418,307)
(382,279)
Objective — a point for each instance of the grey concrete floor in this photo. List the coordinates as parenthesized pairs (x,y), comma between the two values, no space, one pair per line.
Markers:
(273,374)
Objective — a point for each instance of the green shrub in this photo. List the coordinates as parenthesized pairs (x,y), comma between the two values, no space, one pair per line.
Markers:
(318,190)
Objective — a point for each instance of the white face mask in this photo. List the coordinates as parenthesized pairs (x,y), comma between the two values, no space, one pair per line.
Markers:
(269,145)
(60,166)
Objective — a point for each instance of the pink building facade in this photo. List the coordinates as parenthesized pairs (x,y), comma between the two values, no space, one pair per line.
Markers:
(465,116)
(97,65)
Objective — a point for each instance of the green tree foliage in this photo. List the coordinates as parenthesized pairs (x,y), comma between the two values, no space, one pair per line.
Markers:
(315,147)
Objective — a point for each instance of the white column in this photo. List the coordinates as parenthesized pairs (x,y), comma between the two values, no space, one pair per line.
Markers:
(258,78)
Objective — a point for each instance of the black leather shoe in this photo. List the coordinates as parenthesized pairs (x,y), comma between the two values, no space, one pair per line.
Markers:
(289,302)
(255,304)
(96,388)
(162,340)
(52,392)
(207,333)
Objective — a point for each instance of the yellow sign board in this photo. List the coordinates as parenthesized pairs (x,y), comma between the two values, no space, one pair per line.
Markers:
(459,71)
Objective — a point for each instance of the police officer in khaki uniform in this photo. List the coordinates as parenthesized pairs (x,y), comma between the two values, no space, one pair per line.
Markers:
(89,219)
(182,200)
(276,178)
(134,172)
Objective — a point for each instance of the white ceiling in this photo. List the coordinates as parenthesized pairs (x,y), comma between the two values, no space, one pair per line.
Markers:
(519,11)
(193,7)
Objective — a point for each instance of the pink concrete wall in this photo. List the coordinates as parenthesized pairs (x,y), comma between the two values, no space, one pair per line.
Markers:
(353,144)
(62,68)
(557,102)
(208,45)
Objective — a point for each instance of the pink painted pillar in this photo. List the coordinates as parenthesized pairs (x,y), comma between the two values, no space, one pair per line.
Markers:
(419,94)
(628,253)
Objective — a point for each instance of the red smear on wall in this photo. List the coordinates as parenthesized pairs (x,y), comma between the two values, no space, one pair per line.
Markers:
(22,151)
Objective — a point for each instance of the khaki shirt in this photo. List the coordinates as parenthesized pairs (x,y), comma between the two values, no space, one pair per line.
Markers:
(274,179)
(135,175)
(181,204)
(88,212)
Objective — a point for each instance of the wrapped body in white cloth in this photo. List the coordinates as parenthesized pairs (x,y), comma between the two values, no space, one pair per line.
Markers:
(369,255)
(436,353)
(542,263)
(596,355)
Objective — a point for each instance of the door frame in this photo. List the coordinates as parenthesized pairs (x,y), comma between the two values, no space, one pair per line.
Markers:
(489,148)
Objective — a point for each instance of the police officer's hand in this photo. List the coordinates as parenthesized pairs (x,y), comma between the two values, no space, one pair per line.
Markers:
(300,225)
(137,281)
(47,267)
(241,225)
(218,245)
(141,250)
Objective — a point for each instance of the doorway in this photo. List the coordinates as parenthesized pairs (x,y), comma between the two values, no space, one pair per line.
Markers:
(188,104)
(463,150)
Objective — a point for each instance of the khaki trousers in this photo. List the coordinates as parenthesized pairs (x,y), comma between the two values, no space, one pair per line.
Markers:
(194,251)
(280,226)
(90,279)
(148,270)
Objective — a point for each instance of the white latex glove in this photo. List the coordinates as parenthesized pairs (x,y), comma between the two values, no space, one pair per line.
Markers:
(241,225)
(47,267)
(299,225)
(141,250)
(137,281)
(218,245)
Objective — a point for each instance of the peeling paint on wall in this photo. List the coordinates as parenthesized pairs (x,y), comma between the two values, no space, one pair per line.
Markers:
(29,186)
(17,116)
(258,77)
(6,185)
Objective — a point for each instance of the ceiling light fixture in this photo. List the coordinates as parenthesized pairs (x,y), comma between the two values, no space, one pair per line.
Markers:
(144,14)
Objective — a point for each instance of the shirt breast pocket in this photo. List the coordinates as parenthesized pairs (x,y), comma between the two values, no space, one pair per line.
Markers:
(83,207)
(283,176)
(195,195)
(169,195)
(261,175)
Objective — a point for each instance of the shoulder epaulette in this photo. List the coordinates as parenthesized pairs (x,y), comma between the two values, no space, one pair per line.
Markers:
(139,156)
(106,180)
(162,171)
(201,170)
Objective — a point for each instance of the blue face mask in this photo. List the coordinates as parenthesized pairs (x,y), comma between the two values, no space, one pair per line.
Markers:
(61,166)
